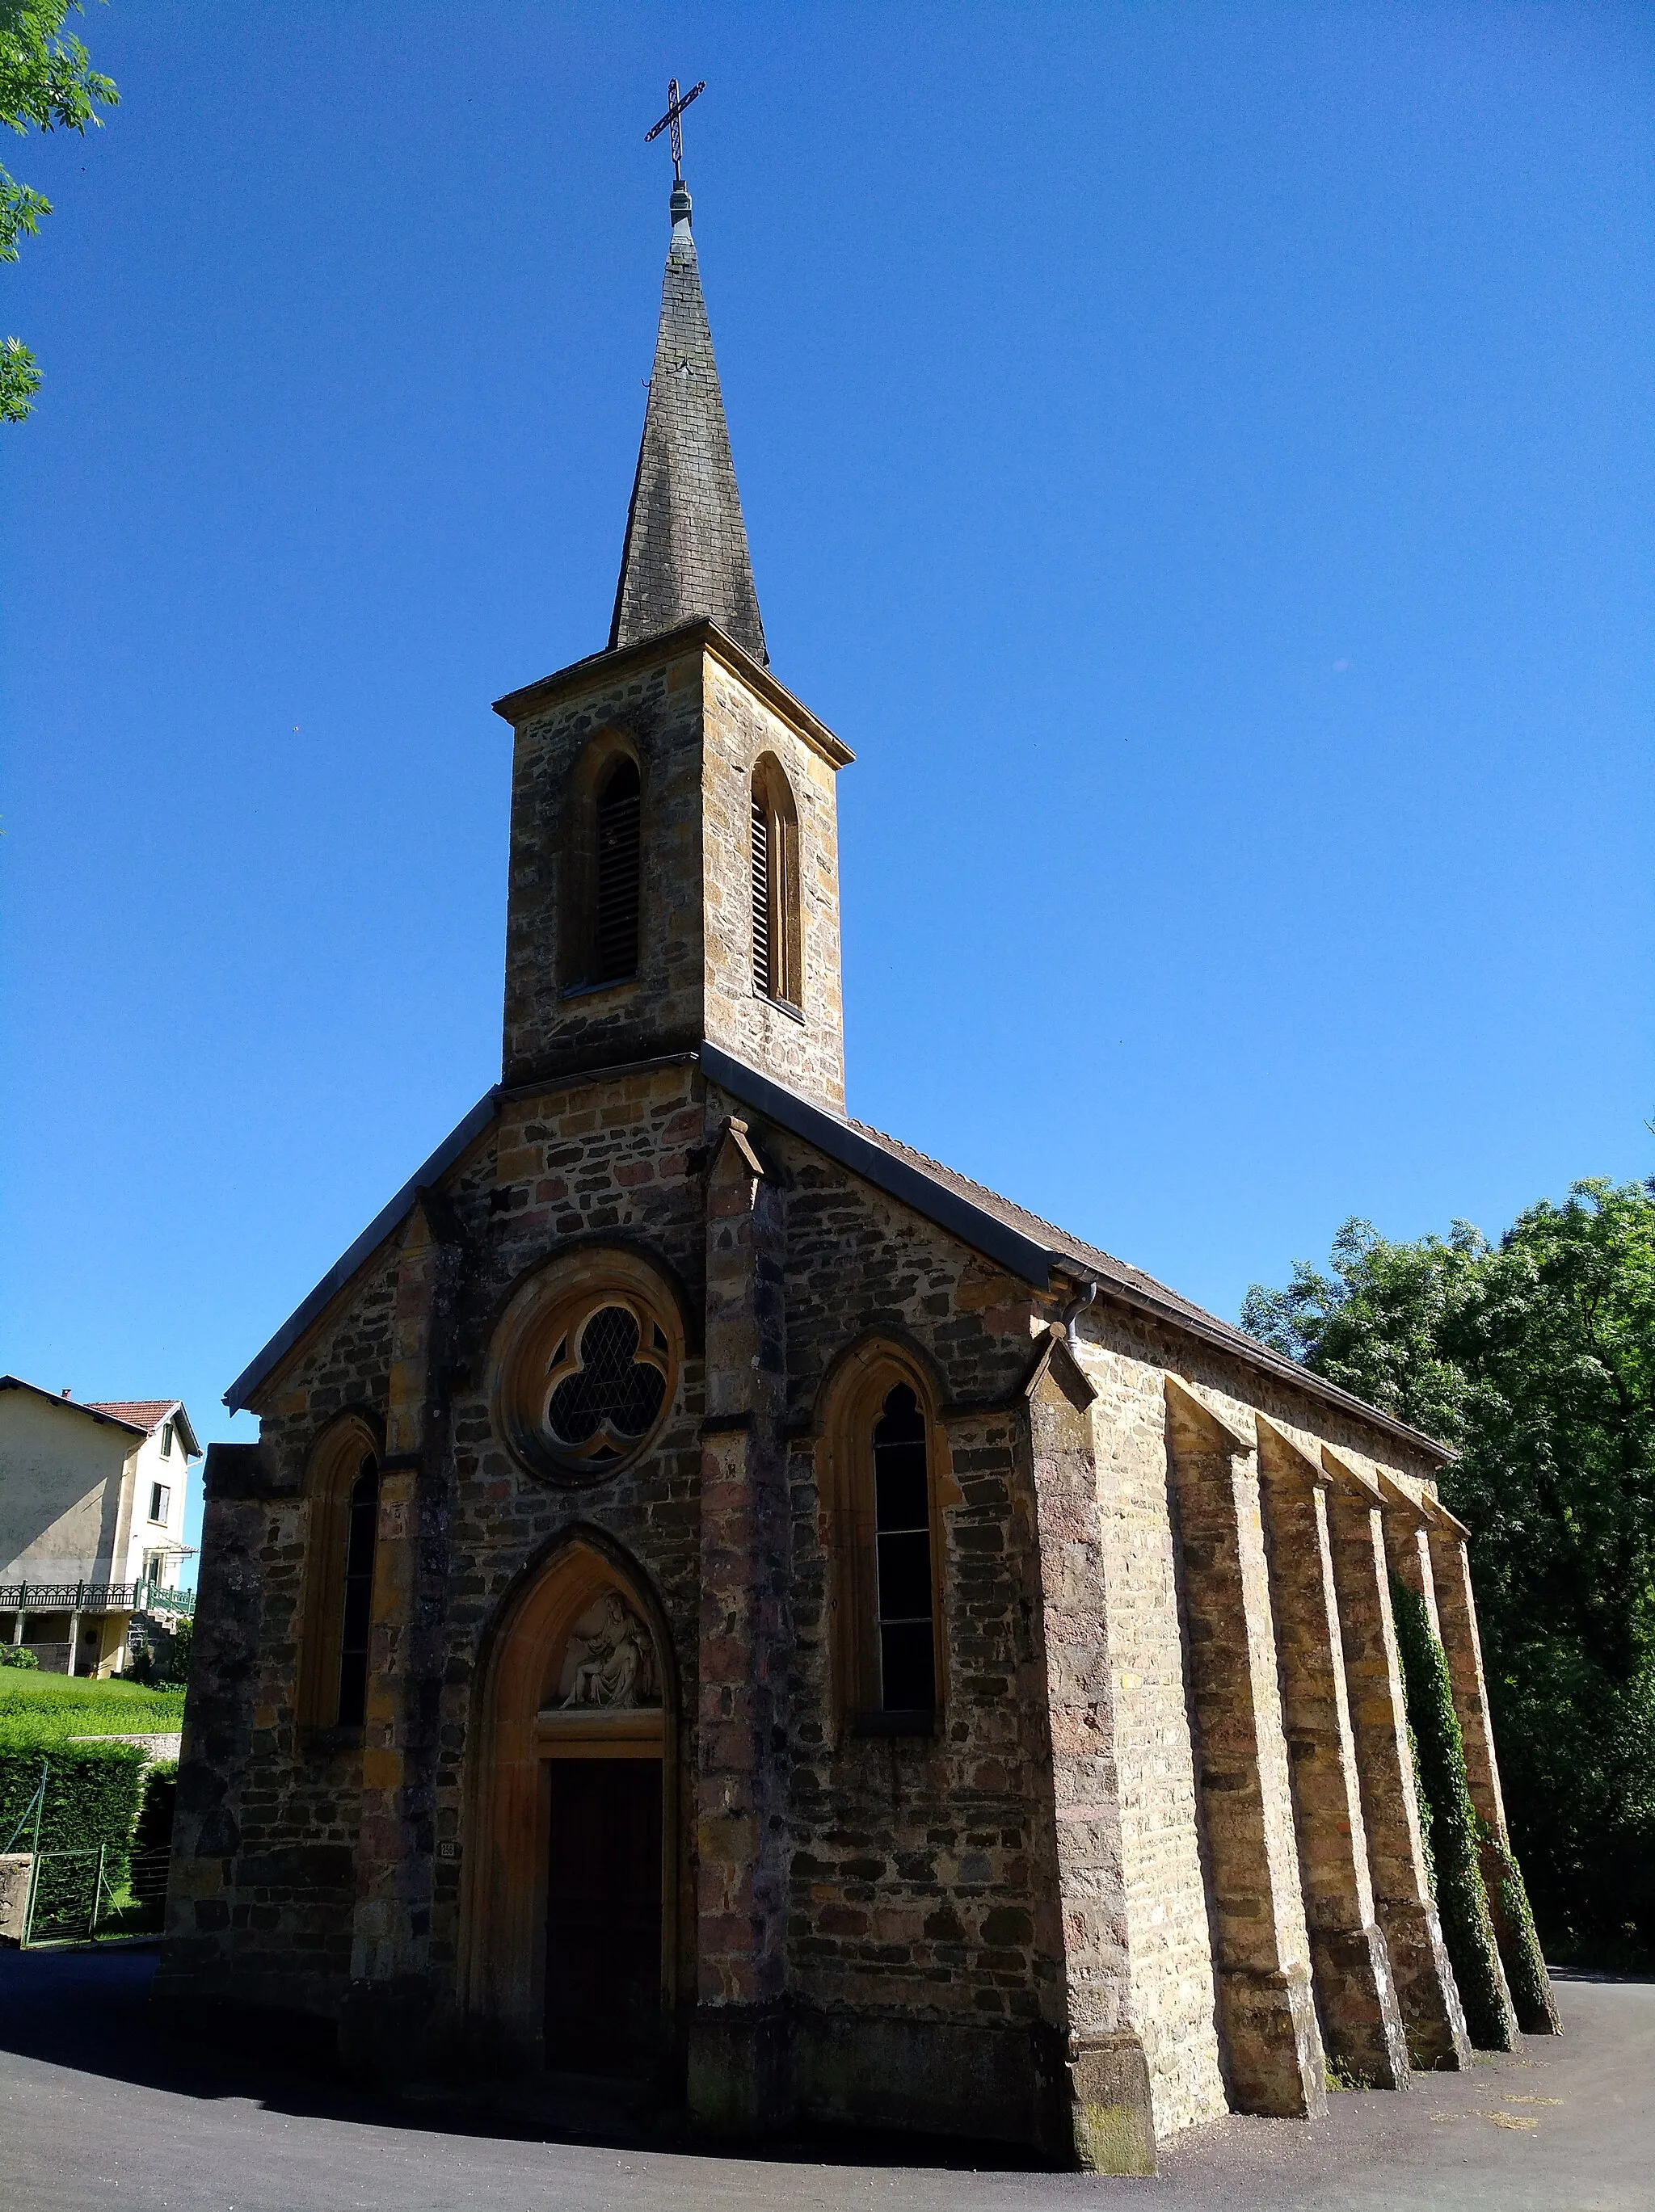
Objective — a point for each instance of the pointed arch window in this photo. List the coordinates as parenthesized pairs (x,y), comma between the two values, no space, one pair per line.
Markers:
(615,907)
(905,1590)
(343,1486)
(883,1463)
(777,960)
(361,1533)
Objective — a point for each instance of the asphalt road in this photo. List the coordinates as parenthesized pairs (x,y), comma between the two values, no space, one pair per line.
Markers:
(97,2109)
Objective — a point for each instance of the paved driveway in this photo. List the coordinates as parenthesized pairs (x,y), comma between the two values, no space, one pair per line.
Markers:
(98,2111)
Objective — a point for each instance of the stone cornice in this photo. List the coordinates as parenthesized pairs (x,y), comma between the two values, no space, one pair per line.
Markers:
(601,669)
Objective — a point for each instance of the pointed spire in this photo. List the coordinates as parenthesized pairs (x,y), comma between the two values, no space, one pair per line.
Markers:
(686,544)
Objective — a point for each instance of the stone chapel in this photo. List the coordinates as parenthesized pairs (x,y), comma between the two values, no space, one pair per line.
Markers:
(722,1601)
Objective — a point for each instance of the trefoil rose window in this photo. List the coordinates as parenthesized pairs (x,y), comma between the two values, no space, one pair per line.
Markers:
(608,1380)
(587,1360)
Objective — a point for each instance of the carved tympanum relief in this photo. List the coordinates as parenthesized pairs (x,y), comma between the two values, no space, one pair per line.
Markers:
(609,1661)
(587,1363)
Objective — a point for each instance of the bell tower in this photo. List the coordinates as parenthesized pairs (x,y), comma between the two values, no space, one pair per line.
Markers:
(674,842)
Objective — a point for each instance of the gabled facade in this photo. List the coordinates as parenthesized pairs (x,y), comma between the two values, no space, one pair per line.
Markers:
(721,1600)
(91,1521)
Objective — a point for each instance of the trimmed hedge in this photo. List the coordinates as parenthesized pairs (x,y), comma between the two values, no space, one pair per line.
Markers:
(154,1831)
(91,1796)
(1455,1844)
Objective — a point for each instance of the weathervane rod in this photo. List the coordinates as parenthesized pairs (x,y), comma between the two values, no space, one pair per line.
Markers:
(675,107)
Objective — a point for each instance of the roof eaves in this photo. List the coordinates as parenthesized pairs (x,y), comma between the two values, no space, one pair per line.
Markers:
(980,1227)
(973,1224)
(72,1405)
(387,1219)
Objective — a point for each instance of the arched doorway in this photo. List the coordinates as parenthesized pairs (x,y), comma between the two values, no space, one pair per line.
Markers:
(572,1859)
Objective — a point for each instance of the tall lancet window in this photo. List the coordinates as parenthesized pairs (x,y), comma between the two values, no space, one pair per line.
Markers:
(615,948)
(361,1529)
(902,1546)
(777,965)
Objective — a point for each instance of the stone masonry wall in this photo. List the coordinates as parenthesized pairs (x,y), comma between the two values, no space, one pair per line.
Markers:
(553,1021)
(914,1866)
(267,1827)
(808,1056)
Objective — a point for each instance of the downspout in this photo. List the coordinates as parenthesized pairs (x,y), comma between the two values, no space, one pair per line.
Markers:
(1085,1297)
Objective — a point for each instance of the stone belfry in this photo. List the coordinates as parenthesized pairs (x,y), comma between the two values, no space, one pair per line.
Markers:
(674,848)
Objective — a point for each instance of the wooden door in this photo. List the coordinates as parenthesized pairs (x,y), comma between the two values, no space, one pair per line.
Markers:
(603,1916)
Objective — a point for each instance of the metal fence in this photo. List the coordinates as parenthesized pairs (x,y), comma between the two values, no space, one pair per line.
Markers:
(79,1897)
(96,1597)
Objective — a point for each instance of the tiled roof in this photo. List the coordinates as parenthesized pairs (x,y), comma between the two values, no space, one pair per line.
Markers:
(143,1413)
(1006,1233)
(1074,1254)
(148,1415)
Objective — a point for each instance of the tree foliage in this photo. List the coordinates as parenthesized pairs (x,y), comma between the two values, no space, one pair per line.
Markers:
(1535,1358)
(47,82)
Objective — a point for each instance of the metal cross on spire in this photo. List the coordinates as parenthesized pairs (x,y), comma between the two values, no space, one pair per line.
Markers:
(675,107)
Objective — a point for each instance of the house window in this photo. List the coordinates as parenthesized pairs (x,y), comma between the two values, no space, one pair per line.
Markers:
(166,1440)
(778,966)
(361,1535)
(905,1599)
(615,908)
(161,1501)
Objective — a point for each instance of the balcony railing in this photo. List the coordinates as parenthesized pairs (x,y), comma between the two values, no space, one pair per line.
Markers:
(96,1597)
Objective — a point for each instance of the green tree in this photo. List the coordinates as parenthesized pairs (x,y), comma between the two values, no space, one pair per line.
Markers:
(1535,1358)
(47,82)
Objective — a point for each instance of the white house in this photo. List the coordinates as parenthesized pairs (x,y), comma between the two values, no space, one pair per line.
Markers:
(91,1521)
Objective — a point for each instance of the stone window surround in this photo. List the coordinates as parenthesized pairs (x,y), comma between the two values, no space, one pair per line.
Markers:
(555,1299)
(575,837)
(772,793)
(335,1463)
(851,1405)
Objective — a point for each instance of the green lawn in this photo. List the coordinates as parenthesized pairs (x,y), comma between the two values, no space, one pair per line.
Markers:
(37,1708)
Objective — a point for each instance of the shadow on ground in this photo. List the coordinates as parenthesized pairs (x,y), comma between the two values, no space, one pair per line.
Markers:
(90,2009)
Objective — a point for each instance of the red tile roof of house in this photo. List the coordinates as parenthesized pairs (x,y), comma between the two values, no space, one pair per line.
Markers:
(148,1415)
(143,1412)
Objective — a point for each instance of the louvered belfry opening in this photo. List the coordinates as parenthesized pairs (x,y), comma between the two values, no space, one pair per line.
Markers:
(763,873)
(615,950)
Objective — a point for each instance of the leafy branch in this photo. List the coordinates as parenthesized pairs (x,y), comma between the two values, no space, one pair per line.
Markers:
(47,82)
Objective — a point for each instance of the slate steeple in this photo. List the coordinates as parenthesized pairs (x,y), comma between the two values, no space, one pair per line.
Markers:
(686,544)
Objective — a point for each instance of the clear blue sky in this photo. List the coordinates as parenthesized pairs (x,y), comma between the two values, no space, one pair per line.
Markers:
(1198,457)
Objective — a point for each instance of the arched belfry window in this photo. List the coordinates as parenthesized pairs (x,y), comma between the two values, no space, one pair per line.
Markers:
(615,903)
(778,963)
(905,1593)
(362,1532)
